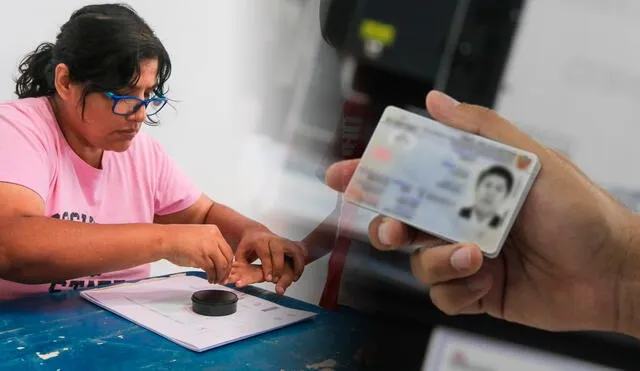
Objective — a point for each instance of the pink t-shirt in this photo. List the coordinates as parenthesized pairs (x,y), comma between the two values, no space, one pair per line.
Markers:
(131,187)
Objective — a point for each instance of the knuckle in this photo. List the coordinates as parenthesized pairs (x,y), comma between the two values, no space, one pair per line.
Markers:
(296,254)
(214,230)
(416,269)
(423,267)
(440,300)
(204,256)
(304,251)
(483,117)
(223,265)
(436,268)
(260,244)
(479,112)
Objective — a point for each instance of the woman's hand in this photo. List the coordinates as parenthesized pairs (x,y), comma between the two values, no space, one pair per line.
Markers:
(199,246)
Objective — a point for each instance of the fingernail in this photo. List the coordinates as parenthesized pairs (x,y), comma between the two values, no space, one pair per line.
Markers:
(461,259)
(447,104)
(239,283)
(449,101)
(384,232)
(477,283)
(269,277)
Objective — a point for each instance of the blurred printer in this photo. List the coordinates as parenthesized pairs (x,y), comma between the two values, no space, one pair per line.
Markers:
(403,48)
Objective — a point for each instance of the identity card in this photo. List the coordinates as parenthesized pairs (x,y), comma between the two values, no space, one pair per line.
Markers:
(449,183)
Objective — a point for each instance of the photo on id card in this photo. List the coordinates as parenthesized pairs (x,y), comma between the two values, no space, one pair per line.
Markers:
(452,184)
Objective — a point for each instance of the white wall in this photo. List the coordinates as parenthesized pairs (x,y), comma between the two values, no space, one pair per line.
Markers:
(574,79)
(241,71)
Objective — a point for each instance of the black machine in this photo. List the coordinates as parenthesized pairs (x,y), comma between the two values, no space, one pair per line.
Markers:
(407,47)
(403,49)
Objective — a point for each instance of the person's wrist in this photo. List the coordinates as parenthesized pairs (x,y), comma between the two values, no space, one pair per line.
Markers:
(163,245)
(304,250)
(254,228)
(628,285)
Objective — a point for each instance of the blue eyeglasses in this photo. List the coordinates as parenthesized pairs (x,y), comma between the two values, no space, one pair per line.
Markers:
(125,105)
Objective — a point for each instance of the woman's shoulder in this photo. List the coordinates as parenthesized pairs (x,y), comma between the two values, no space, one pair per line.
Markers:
(30,118)
(34,114)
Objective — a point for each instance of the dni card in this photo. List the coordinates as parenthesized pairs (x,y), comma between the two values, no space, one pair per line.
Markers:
(449,183)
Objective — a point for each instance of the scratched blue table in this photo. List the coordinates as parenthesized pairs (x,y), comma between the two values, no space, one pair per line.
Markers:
(62,331)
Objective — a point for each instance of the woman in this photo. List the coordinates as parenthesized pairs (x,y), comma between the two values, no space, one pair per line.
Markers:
(87,198)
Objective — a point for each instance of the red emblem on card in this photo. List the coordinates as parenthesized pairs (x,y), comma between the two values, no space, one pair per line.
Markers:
(382,154)
(523,162)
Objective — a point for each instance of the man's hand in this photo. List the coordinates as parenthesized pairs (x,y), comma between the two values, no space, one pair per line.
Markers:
(567,260)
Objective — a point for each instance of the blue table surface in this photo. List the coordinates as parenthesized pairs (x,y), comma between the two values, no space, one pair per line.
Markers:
(87,337)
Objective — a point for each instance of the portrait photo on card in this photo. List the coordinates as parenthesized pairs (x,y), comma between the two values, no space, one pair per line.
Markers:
(491,190)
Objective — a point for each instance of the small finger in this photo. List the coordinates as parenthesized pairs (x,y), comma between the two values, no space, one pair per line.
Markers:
(251,275)
(444,263)
(461,296)
(236,271)
(283,284)
(232,278)
(277,258)
(210,268)
(226,250)
(221,264)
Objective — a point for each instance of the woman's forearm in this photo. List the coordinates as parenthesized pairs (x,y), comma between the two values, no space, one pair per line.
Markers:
(232,224)
(41,250)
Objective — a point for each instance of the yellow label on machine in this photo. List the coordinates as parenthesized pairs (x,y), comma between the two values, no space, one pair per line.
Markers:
(374,30)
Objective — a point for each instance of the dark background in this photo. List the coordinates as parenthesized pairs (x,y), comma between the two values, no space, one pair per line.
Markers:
(460,47)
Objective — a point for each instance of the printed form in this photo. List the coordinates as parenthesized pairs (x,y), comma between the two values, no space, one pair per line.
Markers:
(163,306)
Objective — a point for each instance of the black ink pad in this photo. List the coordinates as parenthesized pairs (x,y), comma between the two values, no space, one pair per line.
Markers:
(214,302)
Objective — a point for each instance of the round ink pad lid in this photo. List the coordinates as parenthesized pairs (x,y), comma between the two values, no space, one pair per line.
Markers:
(214,302)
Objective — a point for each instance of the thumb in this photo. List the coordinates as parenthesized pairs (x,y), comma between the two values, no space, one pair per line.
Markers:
(480,121)
(339,174)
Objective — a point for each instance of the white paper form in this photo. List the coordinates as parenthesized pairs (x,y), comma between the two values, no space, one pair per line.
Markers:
(164,306)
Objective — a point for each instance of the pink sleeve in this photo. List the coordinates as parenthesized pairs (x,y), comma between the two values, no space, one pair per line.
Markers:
(24,157)
(175,191)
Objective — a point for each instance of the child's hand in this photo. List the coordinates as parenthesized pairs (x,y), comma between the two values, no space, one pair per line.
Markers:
(244,274)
